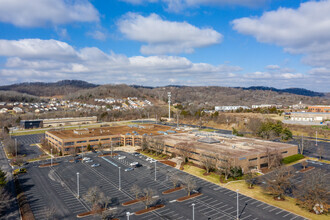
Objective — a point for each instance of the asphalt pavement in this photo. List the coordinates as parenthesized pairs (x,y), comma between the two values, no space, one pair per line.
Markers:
(25,142)
(57,187)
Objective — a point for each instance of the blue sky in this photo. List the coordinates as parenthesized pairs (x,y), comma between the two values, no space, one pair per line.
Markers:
(276,43)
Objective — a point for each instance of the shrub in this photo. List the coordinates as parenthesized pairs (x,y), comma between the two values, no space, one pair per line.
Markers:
(292,158)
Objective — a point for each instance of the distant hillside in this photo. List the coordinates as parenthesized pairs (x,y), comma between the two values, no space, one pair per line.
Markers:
(13,96)
(49,89)
(199,95)
(296,91)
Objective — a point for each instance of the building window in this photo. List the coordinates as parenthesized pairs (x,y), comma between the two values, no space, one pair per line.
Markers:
(252,159)
(263,157)
(94,140)
(242,158)
(105,139)
(68,143)
(284,152)
(78,142)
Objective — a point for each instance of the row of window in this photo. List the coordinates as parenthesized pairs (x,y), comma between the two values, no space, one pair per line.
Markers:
(262,157)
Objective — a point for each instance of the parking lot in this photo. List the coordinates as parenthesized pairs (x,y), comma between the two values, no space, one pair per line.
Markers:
(57,187)
(25,145)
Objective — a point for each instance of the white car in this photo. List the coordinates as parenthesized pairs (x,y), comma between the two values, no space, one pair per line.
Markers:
(86,158)
(95,165)
(148,158)
(89,161)
(121,158)
(134,163)
(152,161)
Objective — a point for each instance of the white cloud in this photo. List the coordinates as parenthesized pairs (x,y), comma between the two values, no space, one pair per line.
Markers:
(47,60)
(98,35)
(179,5)
(51,60)
(38,13)
(164,36)
(304,30)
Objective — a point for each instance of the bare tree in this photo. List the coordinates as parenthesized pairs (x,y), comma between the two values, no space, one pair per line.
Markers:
(109,214)
(158,146)
(185,150)
(304,164)
(320,151)
(224,165)
(145,144)
(208,161)
(250,179)
(175,180)
(190,184)
(274,158)
(278,181)
(50,212)
(301,145)
(96,198)
(315,189)
(136,190)
(148,197)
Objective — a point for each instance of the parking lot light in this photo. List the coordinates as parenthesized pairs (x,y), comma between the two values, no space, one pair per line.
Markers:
(127,214)
(237,205)
(193,211)
(51,157)
(155,171)
(119,187)
(78,184)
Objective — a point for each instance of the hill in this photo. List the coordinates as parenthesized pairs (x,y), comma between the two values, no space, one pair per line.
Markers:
(49,89)
(297,91)
(199,95)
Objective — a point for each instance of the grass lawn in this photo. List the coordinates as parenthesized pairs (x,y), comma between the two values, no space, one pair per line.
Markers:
(18,133)
(256,193)
(152,156)
(207,130)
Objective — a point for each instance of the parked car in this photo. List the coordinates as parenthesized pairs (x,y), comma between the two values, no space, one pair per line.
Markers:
(133,163)
(129,169)
(136,154)
(152,161)
(95,165)
(88,161)
(18,171)
(148,159)
(121,158)
(86,158)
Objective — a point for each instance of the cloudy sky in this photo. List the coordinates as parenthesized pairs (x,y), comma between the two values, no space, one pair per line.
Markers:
(276,43)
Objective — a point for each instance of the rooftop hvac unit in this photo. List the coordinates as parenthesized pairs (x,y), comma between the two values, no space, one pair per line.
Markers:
(233,146)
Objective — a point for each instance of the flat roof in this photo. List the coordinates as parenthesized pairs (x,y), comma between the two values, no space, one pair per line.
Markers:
(152,129)
(228,146)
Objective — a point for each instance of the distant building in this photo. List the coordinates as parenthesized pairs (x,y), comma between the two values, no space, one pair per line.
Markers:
(309,116)
(57,122)
(29,124)
(3,110)
(229,108)
(267,106)
(18,110)
(319,108)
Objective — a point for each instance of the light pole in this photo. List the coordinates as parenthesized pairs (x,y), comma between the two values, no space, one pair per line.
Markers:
(237,205)
(111,149)
(78,184)
(51,157)
(155,171)
(119,187)
(193,210)
(169,105)
(127,214)
(16,146)
(315,140)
